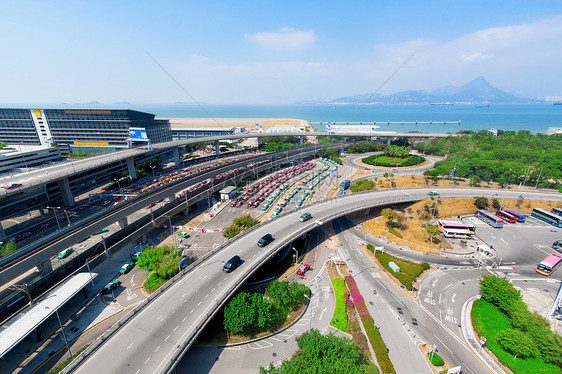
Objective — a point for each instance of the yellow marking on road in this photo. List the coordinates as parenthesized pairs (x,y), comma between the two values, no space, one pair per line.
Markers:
(474,354)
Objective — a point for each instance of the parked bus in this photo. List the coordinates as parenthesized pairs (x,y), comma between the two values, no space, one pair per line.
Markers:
(549,264)
(556,211)
(344,185)
(457,233)
(548,217)
(489,218)
(443,225)
(506,216)
(520,217)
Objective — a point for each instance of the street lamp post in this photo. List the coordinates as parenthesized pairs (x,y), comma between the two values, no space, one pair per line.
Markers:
(175,242)
(310,305)
(153,167)
(296,256)
(54,208)
(63,334)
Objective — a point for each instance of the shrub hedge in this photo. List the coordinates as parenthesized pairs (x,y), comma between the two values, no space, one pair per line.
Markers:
(393,161)
(436,359)
(339,321)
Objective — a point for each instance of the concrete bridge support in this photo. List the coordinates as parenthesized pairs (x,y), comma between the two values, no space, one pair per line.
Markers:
(65,191)
(301,139)
(176,151)
(388,140)
(2,233)
(123,222)
(365,212)
(131,167)
(217,148)
(45,267)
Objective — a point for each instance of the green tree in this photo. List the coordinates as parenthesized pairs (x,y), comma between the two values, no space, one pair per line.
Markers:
(518,343)
(240,313)
(481,202)
(496,204)
(319,353)
(362,185)
(431,231)
(499,292)
(231,231)
(8,248)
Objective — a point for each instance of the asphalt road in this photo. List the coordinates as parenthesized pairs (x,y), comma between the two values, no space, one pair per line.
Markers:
(148,342)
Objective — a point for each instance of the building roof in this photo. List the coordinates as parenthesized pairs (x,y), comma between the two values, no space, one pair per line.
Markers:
(17,328)
(227,189)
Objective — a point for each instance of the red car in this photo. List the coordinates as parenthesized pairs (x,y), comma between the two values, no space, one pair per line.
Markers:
(12,185)
(303,269)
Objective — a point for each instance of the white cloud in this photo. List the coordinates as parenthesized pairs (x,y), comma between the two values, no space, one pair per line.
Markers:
(513,58)
(286,38)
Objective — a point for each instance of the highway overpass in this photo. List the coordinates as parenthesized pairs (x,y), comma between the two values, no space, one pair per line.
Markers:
(41,251)
(161,330)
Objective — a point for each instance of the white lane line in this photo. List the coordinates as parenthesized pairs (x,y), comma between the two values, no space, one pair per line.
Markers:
(167,337)
(206,296)
(148,359)
(184,318)
(129,345)
(159,318)
(137,372)
(176,328)
(453,298)
(199,303)
(156,350)
(184,295)
(213,289)
(191,311)
(205,276)
(219,283)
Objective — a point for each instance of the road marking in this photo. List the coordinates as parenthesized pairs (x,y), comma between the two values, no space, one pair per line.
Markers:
(184,295)
(148,359)
(219,283)
(434,283)
(205,276)
(167,337)
(503,240)
(156,350)
(199,303)
(184,318)
(176,327)
(453,298)
(213,289)
(129,345)
(206,296)
(160,318)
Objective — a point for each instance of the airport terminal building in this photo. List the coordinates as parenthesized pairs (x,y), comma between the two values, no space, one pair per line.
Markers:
(79,129)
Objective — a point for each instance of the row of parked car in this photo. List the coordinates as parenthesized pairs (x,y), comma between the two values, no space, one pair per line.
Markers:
(262,189)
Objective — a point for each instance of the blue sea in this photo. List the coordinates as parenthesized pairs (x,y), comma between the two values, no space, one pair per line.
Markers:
(534,118)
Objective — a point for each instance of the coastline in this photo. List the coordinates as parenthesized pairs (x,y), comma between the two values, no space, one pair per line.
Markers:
(247,123)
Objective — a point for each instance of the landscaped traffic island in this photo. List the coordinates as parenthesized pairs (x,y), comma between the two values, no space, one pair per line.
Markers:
(394,156)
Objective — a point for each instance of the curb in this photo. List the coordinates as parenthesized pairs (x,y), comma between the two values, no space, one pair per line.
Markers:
(470,340)
(272,334)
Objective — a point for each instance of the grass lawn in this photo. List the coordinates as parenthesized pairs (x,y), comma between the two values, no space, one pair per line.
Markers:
(339,321)
(409,270)
(490,322)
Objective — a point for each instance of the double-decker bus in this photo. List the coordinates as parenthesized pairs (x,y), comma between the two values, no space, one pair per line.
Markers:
(549,264)
(489,218)
(556,211)
(520,217)
(506,216)
(548,217)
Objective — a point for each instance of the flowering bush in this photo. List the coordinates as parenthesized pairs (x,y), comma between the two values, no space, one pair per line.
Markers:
(357,298)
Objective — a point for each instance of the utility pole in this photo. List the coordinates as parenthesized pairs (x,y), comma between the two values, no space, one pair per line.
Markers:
(536,184)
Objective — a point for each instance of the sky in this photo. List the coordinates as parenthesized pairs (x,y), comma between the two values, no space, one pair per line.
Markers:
(272,52)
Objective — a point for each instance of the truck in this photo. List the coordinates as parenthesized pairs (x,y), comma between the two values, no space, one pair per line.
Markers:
(344,185)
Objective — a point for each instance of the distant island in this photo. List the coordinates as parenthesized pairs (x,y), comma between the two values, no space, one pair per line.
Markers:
(477,92)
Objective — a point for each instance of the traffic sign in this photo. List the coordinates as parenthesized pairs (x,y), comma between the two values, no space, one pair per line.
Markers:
(483,340)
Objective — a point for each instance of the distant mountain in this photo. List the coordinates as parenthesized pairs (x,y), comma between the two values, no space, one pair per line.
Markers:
(478,91)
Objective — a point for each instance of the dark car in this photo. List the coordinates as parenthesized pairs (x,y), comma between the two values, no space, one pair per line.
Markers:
(231,264)
(557,245)
(265,240)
